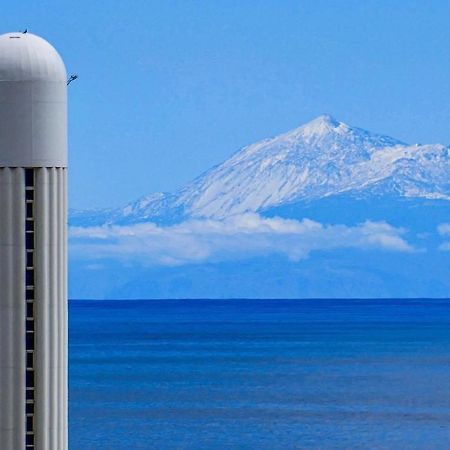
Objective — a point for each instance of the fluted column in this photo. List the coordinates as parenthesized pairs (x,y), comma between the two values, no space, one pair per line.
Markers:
(51,309)
(12,308)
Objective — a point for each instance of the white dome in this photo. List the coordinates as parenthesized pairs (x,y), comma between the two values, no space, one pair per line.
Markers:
(27,57)
(33,103)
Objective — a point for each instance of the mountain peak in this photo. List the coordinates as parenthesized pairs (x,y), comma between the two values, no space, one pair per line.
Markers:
(325,119)
(320,159)
(321,126)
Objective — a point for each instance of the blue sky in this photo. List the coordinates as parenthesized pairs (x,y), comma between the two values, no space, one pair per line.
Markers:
(169,88)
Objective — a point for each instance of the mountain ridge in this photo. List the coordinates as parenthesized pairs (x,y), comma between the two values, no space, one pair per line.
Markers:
(322,158)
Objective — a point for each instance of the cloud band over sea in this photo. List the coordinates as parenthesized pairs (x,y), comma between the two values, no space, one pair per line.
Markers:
(235,238)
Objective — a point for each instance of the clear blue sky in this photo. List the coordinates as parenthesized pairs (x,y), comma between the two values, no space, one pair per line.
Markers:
(169,88)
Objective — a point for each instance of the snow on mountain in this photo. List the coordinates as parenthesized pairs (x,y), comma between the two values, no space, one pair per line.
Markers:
(319,159)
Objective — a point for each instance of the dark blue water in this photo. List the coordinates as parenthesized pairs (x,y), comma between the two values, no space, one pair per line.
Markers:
(260,374)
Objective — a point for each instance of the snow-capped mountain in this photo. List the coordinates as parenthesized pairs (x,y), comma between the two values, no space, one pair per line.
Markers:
(326,177)
(322,158)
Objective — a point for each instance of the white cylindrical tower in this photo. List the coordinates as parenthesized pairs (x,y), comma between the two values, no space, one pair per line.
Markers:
(33,249)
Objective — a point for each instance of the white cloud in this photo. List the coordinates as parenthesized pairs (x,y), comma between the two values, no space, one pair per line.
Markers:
(238,237)
(444,230)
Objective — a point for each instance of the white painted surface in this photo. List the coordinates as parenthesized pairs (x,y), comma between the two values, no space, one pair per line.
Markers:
(51,308)
(12,309)
(33,134)
(33,103)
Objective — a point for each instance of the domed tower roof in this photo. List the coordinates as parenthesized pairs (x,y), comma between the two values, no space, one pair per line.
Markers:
(33,103)
(26,57)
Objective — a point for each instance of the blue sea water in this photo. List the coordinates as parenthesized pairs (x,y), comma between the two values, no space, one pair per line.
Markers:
(260,374)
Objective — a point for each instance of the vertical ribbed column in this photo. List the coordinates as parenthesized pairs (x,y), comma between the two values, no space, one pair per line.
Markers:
(64,324)
(51,309)
(12,309)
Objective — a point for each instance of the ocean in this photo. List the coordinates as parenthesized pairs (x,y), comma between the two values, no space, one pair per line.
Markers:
(259,374)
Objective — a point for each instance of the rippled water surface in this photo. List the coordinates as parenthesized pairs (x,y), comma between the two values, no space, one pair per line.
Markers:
(260,374)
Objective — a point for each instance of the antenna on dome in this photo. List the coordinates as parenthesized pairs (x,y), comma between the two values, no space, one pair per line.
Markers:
(72,78)
(25,31)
